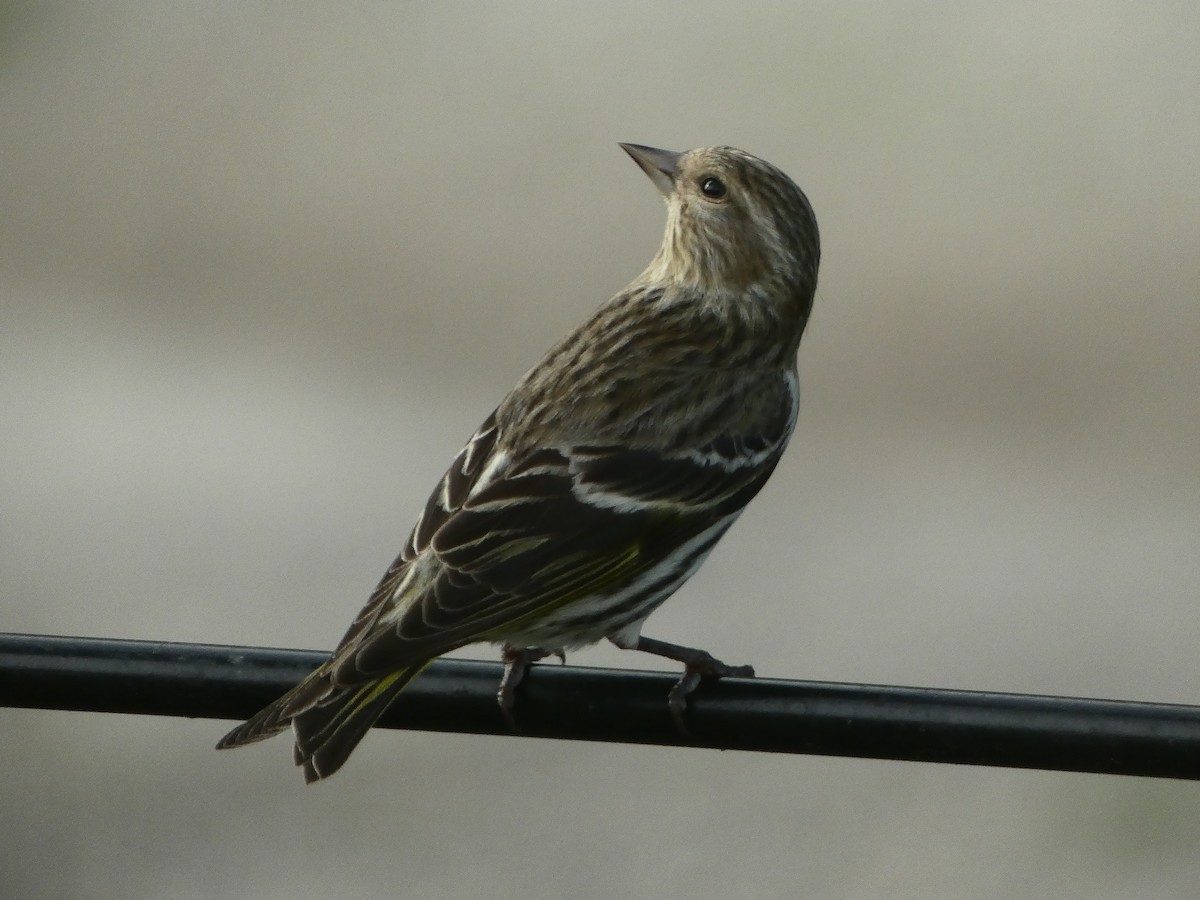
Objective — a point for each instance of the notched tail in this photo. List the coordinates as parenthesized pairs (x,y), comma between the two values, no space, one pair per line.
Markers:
(328,721)
(273,719)
(327,732)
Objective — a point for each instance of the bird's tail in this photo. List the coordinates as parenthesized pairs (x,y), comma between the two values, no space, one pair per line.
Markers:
(329,731)
(328,720)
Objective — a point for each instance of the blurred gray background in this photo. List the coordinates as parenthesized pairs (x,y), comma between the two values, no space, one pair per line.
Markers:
(264,268)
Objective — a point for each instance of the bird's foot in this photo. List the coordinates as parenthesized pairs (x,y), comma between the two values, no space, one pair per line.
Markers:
(698,664)
(517,661)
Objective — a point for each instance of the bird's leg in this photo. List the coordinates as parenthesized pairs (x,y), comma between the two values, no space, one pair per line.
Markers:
(517,661)
(697,665)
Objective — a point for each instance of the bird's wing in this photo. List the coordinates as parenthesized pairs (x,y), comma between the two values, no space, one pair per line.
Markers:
(446,499)
(503,540)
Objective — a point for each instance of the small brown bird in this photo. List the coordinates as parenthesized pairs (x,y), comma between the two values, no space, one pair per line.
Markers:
(603,480)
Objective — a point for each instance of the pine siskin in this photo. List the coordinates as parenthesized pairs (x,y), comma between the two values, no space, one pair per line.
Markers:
(603,480)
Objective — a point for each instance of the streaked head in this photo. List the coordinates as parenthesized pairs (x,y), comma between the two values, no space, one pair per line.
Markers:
(735,223)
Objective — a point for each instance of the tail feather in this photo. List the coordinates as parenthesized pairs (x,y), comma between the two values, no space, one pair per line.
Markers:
(328,721)
(328,731)
(273,719)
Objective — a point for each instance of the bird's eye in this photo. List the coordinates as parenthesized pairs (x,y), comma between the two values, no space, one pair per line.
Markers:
(711,187)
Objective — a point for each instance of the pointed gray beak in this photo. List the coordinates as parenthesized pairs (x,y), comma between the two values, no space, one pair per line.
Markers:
(661,165)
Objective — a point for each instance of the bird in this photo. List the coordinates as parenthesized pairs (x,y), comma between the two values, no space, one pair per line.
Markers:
(606,476)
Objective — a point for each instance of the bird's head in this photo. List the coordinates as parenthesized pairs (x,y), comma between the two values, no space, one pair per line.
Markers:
(738,229)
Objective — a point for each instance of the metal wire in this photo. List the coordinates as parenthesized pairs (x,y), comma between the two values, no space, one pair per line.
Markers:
(574,703)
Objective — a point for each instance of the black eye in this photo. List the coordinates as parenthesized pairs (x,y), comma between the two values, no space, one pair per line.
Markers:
(711,187)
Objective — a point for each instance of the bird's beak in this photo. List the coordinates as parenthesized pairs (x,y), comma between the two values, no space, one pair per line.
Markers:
(661,165)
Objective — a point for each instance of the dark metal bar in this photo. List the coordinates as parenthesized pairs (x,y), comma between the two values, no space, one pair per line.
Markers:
(569,702)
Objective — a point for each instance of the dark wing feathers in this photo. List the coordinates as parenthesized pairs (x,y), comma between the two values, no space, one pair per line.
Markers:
(540,530)
(452,490)
(520,546)
(543,528)
(684,482)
